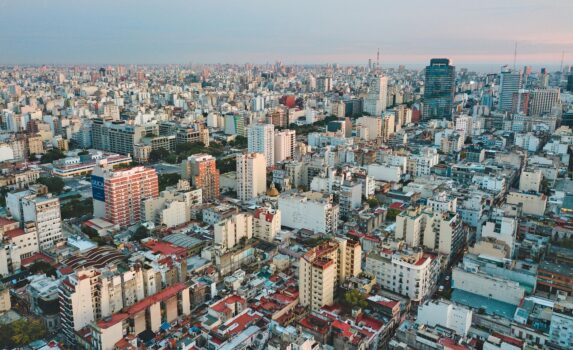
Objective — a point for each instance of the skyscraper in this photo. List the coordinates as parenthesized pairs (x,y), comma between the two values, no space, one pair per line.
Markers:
(439,89)
(201,169)
(117,195)
(251,176)
(509,84)
(375,102)
(261,139)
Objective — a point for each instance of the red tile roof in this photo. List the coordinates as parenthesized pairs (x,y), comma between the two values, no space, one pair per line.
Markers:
(111,321)
(155,298)
(14,233)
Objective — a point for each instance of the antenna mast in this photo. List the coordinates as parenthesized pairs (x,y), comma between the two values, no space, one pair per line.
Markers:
(514,55)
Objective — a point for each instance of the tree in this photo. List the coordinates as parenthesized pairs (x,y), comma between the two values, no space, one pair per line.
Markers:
(42,267)
(353,299)
(141,233)
(52,155)
(392,213)
(54,183)
(166,180)
(21,332)
(226,165)
(76,208)
(83,153)
(158,154)
(373,202)
(239,142)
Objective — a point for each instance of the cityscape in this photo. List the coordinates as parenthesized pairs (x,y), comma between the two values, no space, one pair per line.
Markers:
(409,196)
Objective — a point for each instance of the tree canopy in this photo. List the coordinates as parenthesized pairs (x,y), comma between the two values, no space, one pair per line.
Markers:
(54,183)
(21,332)
(51,155)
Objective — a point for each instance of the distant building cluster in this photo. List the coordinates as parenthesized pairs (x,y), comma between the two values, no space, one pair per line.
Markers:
(278,206)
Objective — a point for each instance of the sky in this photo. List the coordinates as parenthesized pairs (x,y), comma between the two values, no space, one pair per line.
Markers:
(407,32)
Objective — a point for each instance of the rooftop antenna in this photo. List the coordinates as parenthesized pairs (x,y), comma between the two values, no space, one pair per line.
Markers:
(514,55)
(562,58)
(378,59)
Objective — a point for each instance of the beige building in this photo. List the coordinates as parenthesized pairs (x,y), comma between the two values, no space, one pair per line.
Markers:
(172,207)
(266,223)
(532,204)
(5,304)
(530,181)
(251,176)
(438,231)
(323,267)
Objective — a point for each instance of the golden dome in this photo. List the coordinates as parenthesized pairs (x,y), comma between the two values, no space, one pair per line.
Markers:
(272,191)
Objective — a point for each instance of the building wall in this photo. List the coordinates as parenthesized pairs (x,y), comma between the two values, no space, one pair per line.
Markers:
(446,314)
(495,288)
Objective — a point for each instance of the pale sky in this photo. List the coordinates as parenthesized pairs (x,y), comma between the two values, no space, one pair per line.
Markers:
(293,31)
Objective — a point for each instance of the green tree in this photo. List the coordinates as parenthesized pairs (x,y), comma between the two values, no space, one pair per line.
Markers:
(353,299)
(373,202)
(141,233)
(23,331)
(158,154)
(54,183)
(42,267)
(239,142)
(76,208)
(392,213)
(166,180)
(52,155)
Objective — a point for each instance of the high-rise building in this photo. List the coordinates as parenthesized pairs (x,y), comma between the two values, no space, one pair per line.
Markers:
(375,102)
(439,89)
(231,231)
(284,143)
(251,176)
(117,195)
(116,136)
(37,207)
(409,273)
(440,231)
(570,83)
(202,170)
(509,84)
(543,100)
(373,126)
(261,140)
(324,84)
(324,267)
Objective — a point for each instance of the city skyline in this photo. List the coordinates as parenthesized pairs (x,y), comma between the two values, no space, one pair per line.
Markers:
(141,32)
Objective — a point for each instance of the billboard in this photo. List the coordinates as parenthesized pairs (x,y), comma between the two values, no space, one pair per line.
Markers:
(98,191)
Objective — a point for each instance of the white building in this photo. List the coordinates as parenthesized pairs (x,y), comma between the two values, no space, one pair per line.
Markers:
(310,210)
(561,330)
(527,141)
(261,139)
(447,314)
(285,141)
(45,212)
(411,274)
(231,231)
(266,223)
(386,173)
(503,229)
(251,176)
(375,102)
